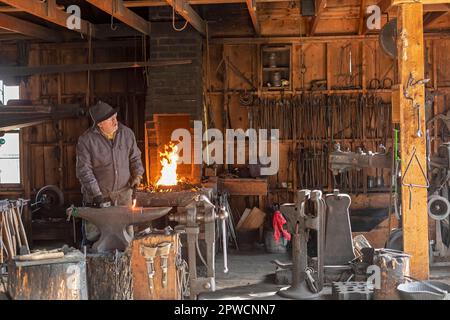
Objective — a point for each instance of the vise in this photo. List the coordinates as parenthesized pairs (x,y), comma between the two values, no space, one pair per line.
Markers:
(307,214)
(341,161)
(113,221)
(200,211)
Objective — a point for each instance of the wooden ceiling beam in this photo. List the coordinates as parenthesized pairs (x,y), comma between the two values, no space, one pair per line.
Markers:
(160,3)
(27,28)
(320,7)
(49,11)
(117,9)
(189,15)
(429,17)
(9,9)
(251,6)
(398,2)
(384,5)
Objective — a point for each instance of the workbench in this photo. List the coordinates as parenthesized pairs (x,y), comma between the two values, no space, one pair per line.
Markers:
(245,187)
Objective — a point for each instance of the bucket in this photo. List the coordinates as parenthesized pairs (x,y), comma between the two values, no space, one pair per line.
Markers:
(424,290)
(273,246)
(276,79)
(273,60)
(394,269)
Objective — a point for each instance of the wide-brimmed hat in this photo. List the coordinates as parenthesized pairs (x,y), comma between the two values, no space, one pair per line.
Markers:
(102,111)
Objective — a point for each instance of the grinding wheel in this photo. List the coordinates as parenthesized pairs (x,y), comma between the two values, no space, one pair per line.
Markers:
(438,207)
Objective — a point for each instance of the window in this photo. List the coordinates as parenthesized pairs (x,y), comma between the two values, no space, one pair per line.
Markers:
(8,92)
(9,143)
(10,158)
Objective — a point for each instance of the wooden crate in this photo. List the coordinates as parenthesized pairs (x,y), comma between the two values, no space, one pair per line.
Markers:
(140,274)
(52,279)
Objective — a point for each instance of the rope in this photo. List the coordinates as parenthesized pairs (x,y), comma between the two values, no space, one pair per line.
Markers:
(173,19)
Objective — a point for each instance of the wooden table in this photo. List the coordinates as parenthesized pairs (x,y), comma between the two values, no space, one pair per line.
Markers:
(245,187)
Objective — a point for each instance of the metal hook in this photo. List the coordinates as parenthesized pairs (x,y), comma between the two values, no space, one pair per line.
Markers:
(113,10)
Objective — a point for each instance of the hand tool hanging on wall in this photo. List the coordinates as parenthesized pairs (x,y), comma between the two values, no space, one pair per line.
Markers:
(346,80)
(313,120)
(406,92)
(414,185)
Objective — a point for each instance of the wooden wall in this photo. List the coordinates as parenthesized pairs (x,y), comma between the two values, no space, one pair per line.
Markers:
(322,60)
(49,150)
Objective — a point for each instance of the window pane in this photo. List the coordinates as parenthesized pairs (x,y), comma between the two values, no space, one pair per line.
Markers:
(10,149)
(10,159)
(11,93)
(8,93)
(9,171)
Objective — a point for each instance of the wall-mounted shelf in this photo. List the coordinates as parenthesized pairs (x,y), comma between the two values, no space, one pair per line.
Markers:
(276,69)
(276,61)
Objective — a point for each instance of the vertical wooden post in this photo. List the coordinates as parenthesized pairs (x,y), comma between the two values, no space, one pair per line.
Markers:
(414,199)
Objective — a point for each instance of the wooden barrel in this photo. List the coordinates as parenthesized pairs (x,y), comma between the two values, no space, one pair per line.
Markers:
(52,279)
(394,266)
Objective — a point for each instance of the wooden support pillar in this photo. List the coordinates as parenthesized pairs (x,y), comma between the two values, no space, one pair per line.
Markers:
(414,199)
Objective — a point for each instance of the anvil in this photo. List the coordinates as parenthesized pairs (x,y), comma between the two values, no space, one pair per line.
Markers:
(113,221)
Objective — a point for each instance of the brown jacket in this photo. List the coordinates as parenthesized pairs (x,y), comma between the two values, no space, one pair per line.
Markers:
(104,166)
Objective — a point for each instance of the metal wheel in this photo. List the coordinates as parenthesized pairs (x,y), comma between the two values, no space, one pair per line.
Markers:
(50,198)
(438,207)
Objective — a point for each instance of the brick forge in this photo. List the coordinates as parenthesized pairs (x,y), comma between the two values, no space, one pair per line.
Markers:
(178,88)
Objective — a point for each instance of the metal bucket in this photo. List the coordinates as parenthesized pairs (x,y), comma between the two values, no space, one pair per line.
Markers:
(424,290)
(394,270)
(276,79)
(273,60)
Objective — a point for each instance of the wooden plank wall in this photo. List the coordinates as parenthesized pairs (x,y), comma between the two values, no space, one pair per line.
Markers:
(49,158)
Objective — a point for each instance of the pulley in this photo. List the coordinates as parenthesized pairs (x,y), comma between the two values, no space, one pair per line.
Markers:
(388,38)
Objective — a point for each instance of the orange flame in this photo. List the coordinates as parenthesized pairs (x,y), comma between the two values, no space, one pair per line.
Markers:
(169,166)
(134,203)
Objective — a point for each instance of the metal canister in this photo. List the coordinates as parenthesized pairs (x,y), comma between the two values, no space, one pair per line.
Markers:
(380,181)
(370,182)
(394,268)
(273,60)
(276,79)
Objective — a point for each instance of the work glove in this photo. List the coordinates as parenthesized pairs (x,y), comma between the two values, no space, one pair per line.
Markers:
(98,201)
(135,182)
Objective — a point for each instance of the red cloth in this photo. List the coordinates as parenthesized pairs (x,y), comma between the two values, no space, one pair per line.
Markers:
(278,222)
